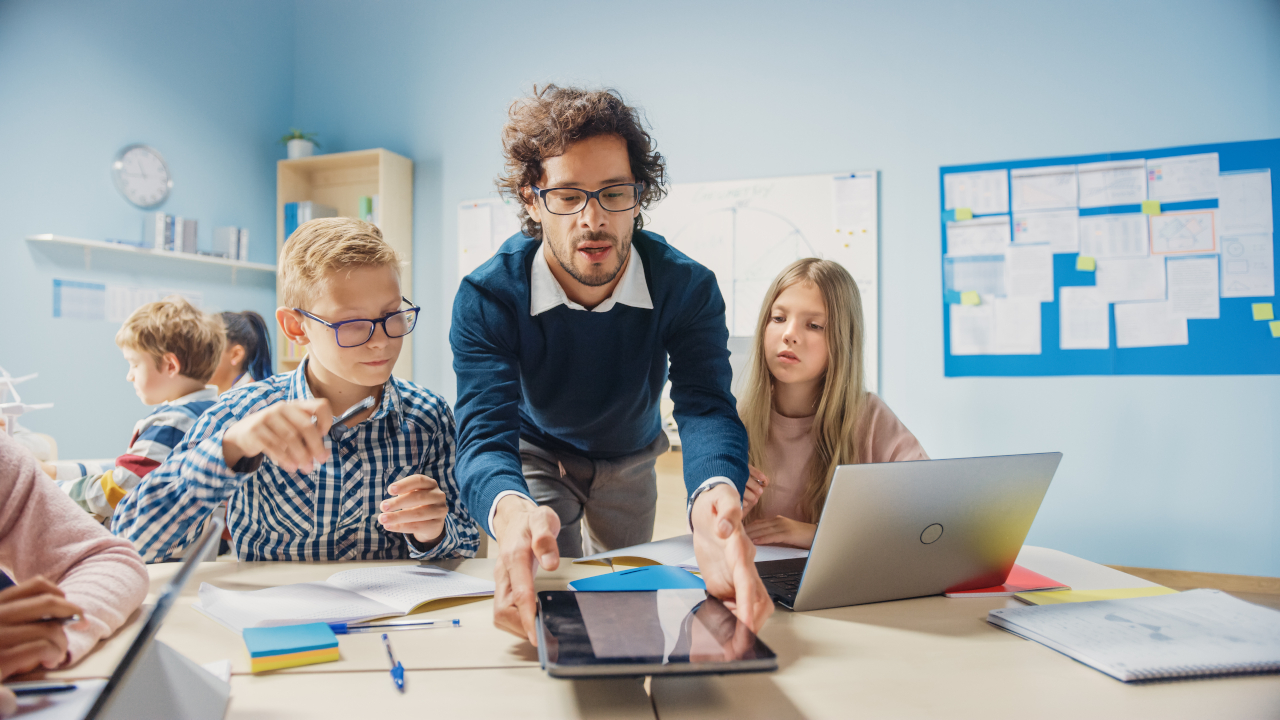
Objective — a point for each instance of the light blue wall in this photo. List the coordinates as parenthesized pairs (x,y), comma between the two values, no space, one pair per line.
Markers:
(208,84)
(1177,472)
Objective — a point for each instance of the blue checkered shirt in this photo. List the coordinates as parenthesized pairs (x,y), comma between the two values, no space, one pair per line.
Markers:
(330,514)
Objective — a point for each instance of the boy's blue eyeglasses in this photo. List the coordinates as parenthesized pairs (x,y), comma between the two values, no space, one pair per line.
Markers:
(354,333)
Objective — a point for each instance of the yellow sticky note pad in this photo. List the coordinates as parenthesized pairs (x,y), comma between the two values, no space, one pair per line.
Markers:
(1084,263)
(1056,597)
(970,298)
(1263,311)
(964,214)
(1151,207)
(1275,328)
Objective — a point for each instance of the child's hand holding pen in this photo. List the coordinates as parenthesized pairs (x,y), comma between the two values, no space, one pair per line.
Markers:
(291,434)
(33,619)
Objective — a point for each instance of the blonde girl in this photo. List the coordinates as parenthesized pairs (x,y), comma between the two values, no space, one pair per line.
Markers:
(805,407)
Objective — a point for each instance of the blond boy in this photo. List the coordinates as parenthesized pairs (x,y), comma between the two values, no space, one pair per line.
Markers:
(172,350)
(298,486)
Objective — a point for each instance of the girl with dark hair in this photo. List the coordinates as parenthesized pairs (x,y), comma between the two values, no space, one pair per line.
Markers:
(247,357)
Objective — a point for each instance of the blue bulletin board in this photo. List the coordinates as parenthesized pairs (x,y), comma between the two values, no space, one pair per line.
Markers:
(1008,252)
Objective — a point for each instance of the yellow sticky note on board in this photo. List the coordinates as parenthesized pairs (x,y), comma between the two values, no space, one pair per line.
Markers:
(970,298)
(1057,597)
(1263,311)
(1151,207)
(964,214)
(1084,263)
(1275,328)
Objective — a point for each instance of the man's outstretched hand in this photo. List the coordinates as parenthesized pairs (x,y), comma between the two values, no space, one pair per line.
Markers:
(726,556)
(526,535)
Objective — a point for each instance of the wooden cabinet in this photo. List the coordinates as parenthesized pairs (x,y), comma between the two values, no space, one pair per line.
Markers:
(339,180)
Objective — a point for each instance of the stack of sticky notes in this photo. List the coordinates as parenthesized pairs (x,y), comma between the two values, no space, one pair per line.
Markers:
(286,646)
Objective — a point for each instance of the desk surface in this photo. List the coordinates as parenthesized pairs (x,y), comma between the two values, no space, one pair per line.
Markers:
(926,657)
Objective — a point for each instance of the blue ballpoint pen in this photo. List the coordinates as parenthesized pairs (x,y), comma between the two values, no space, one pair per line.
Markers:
(397,670)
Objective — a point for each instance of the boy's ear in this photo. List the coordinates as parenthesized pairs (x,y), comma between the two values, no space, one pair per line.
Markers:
(291,325)
(170,365)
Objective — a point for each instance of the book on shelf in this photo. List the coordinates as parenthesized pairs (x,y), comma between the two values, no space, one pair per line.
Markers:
(298,213)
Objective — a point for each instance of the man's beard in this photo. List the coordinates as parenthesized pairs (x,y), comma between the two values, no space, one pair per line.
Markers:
(594,278)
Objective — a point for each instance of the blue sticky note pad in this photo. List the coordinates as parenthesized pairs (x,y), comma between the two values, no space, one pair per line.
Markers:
(288,639)
(653,577)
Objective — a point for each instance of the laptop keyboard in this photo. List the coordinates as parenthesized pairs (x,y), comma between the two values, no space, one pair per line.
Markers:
(786,584)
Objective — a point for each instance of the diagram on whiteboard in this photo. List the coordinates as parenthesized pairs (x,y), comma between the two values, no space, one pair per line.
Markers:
(747,231)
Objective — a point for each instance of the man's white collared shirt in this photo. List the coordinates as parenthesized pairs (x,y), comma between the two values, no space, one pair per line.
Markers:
(545,292)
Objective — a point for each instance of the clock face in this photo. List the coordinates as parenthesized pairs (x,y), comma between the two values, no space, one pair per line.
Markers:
(141,176)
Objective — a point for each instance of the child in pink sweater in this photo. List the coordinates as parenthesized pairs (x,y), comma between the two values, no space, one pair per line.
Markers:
(805,407)
(64,563)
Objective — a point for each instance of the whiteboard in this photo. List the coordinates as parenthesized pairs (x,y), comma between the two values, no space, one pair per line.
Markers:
(747,231)
(483,225)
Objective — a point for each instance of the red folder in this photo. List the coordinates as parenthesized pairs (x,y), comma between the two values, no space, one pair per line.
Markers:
(1020,580)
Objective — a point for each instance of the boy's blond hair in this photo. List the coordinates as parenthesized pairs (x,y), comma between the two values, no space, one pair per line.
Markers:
(326,244)
(174,325)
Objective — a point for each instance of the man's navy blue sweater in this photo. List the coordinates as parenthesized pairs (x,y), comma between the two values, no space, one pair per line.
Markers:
(589,383)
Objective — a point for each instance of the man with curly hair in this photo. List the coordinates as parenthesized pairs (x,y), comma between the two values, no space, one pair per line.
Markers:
(561,344)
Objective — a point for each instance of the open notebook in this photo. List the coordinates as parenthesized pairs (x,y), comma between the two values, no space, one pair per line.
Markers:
(347,596)
(1191,634)
(678,551)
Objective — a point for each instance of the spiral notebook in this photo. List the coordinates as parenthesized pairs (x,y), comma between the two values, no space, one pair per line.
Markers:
(1197,633)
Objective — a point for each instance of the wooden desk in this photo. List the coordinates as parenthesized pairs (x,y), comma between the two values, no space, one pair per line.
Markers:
(937,657)
(473,694)
(477,644)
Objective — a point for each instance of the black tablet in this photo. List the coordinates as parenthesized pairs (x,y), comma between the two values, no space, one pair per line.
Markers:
(663,632)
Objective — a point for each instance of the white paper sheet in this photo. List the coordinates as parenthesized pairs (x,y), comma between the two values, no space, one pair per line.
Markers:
(1184,232)
(1248,266)
(980,236)
(985,192)
(973,329)
(999,326)
(1149,324)
(1244,202)
(1182,178)
(1043,188)
(1084,319)
(678,551)
(1017,326)
(1118,182)
(983,274)
(1193,286)
(1130,279)
(1029,272)
(855,204)
(1122,235)
(405,587)
(1059,228)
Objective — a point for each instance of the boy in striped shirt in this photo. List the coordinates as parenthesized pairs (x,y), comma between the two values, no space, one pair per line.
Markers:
(299,486)
(172,350)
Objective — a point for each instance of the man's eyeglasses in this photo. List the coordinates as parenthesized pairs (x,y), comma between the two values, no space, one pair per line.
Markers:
(571,201)
(354,333)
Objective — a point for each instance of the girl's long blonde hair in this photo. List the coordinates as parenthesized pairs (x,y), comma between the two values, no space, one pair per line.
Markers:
(835,428)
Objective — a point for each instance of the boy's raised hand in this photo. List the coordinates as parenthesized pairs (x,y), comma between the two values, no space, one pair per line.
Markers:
(418,508)
(291,434)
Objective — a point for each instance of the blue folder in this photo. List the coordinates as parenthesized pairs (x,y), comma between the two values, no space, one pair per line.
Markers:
(653,577)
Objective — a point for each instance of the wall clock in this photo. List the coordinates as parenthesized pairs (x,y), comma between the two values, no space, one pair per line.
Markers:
(141,175)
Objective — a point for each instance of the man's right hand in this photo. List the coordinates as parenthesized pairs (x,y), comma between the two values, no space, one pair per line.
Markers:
(291,434)
(526,535)
(31,629)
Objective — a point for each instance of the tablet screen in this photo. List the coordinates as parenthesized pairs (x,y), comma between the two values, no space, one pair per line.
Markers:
(645,633)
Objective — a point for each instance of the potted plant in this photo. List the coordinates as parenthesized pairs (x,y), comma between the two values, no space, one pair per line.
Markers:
(300,144)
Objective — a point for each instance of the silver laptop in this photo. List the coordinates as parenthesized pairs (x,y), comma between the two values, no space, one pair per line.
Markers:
(906,529)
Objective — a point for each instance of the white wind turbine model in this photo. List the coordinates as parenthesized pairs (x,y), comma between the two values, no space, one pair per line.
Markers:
(11,405)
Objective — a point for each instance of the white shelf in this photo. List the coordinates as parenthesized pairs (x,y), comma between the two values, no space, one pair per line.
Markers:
(90,245)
